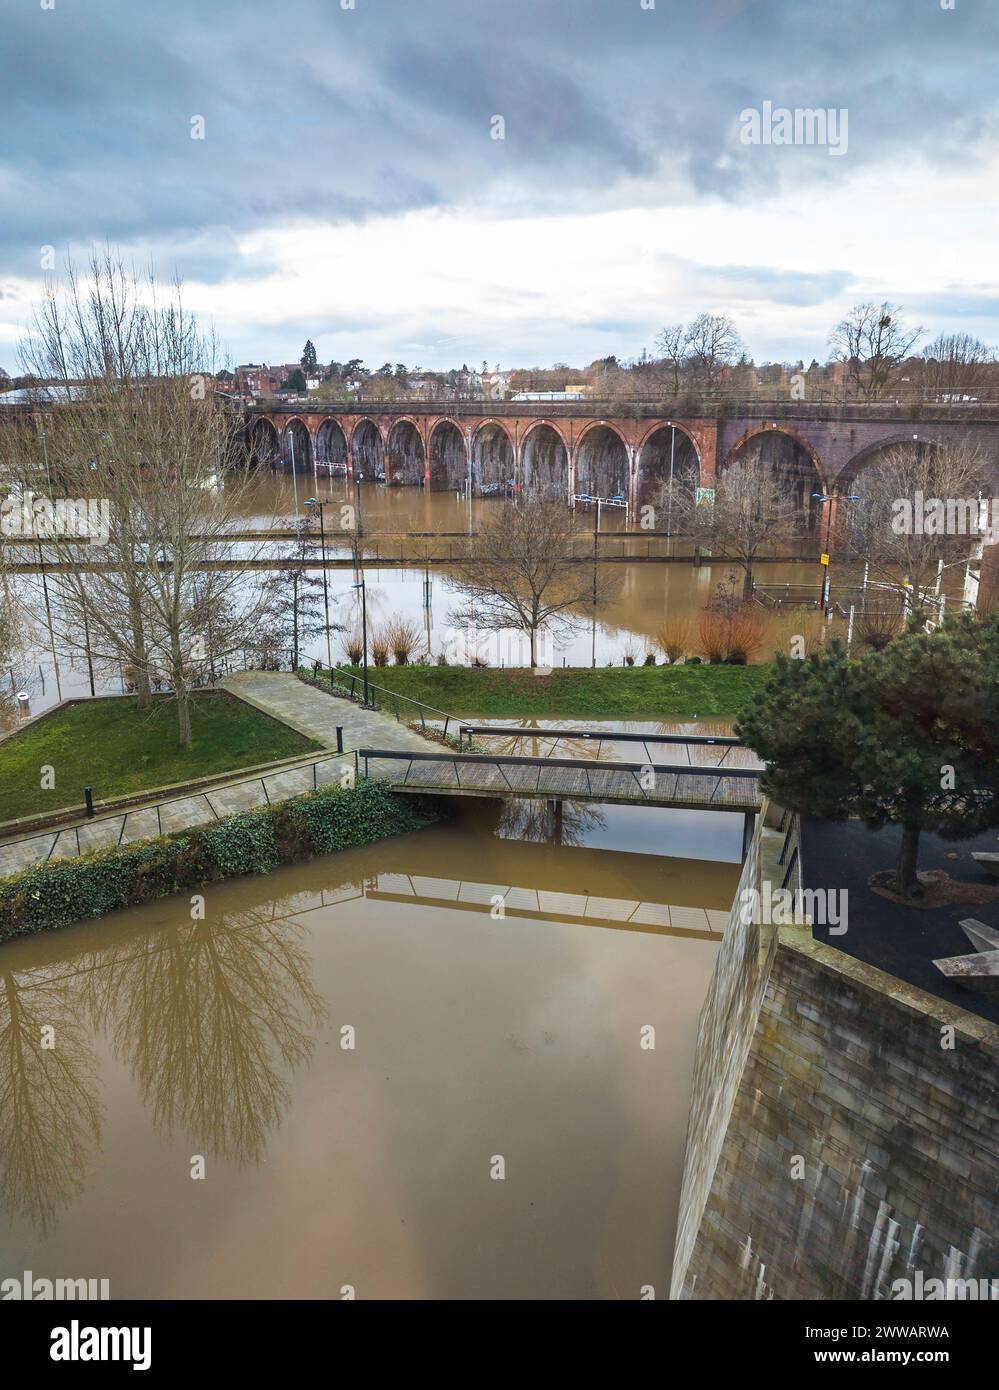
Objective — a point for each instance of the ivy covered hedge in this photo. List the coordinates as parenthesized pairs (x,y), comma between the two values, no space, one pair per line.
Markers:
(255,842)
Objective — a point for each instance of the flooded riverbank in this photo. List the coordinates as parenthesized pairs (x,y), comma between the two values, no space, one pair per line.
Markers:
(495,988)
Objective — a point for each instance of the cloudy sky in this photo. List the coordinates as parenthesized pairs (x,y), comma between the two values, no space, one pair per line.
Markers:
(348,187)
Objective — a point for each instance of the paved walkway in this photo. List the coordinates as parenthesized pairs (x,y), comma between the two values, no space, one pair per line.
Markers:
(317,714)
(285,697)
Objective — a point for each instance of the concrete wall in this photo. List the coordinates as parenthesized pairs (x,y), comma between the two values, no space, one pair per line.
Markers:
(809,1060)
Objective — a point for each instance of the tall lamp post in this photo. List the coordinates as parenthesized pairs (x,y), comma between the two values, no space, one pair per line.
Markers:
(364,626)
(314,504)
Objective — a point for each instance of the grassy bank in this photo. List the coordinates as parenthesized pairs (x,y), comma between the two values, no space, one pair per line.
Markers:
(645,692)
(334,818)
(118,749)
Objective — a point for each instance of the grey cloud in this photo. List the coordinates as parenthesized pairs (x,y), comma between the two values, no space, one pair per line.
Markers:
(316,113)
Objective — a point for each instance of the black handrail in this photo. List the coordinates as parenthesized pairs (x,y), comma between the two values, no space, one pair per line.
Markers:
(586,764)
(612,736)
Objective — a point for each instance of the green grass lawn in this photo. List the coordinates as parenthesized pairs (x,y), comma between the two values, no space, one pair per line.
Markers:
(119,749)
(667,692)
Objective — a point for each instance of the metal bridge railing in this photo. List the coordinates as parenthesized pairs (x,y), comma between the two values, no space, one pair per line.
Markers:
(720,788)
(789,858)
(384,700)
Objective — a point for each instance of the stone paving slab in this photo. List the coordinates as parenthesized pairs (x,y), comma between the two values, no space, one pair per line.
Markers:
(316,714)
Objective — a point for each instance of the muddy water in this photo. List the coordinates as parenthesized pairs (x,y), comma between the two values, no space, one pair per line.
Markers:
(648,592)
(476,1036)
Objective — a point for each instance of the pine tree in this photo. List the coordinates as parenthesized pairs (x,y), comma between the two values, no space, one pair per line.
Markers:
(907,736)
(309,359)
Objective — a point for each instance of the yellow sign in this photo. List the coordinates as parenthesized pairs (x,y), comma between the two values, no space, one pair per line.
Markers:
(823,559)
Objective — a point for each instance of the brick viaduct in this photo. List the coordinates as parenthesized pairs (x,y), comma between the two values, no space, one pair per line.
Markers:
(604,448)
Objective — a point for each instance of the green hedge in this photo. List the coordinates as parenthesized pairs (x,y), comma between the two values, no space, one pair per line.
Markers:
(333,818)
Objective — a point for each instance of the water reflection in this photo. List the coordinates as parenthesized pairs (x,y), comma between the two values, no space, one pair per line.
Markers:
(50,1114)
(476,1035)
(211,1016)
(573,823)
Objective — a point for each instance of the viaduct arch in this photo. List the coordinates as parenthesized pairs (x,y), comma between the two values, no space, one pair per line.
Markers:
(544,448)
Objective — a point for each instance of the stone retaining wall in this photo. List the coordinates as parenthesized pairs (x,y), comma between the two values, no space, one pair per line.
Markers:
(843,1130)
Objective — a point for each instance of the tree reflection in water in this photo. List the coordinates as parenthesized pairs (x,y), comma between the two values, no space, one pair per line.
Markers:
(211,1016)
(522,818)
(49,1112)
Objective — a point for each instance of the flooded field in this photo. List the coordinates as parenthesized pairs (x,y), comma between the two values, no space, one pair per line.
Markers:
(494,987)
(648,592)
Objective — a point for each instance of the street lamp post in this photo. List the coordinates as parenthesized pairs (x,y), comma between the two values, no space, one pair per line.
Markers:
(314,504)
(364,626)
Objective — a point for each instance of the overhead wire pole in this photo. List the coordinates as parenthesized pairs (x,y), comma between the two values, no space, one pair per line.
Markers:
(313,503)
(468,475)
(827,499)
(596,541)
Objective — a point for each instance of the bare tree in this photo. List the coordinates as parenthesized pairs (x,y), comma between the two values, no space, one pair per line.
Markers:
(957,363)
(518,572)
(710,344)
(671,345)
(143,434)
(872,340)
(751,513)
(917,509)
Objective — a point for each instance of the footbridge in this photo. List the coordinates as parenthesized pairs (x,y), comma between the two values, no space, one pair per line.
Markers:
(687,785)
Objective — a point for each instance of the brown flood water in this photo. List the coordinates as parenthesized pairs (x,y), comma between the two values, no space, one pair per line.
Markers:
(476,1036)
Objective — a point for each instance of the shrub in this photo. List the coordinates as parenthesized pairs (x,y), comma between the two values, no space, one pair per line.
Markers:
(749,626)
(732,632)
(403,638)
(332,818)
(380,647)
(243,844)
(876,628)
(352,646)
(674,639)
(712,635)
(629,651)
